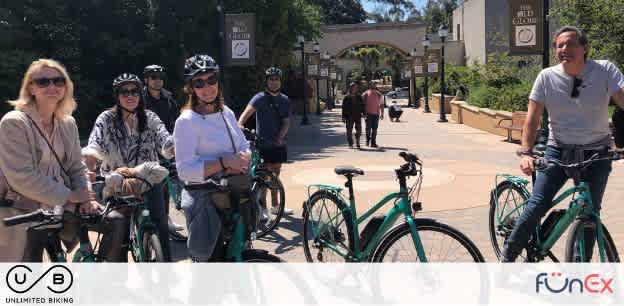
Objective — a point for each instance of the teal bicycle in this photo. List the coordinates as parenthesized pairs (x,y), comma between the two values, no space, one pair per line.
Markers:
(238,227)
(144,244)
(507,201)
(267,188)
(331,225)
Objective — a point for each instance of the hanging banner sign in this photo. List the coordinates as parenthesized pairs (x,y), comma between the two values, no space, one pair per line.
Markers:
(240,35)
(432,58)
(526,27)
(418,63)
(313,61)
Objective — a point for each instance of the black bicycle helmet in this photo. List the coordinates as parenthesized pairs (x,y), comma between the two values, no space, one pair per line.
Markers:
(199,63)
(273,71)
(153,69)
(126,78)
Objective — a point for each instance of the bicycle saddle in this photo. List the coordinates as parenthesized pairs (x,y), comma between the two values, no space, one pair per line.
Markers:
(348,170)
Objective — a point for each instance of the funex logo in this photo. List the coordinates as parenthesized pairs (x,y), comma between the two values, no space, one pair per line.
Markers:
(555,283)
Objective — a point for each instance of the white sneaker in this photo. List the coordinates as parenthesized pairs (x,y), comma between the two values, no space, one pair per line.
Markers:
(287,211)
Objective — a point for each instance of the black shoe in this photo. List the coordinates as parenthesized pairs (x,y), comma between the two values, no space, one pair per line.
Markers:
(374,145)
(357,145)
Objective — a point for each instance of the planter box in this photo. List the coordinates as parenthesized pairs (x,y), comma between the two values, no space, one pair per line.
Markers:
(434,103)
(484,119)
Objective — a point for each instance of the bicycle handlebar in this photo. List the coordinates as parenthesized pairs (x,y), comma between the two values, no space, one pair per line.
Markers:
(35,216)
(542,162)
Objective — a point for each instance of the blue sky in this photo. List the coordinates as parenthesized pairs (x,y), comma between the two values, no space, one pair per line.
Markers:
(370,5)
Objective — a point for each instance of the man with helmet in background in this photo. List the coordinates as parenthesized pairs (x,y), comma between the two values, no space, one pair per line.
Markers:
(272,122)
(161,101)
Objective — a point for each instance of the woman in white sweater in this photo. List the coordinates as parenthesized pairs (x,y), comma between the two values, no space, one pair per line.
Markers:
(208,143)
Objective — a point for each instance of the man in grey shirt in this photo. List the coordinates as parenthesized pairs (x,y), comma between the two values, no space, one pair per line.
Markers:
(576,93)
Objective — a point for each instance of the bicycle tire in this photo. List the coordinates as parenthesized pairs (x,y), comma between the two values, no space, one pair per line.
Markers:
(259,256)
(424,228)
(268,181)
(335,234)
(611,252)
(503,190)
(152,250)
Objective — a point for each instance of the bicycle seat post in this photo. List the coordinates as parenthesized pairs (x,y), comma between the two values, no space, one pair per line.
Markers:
(349,184)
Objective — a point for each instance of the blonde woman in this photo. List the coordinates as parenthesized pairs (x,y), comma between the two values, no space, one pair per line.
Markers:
(40,161)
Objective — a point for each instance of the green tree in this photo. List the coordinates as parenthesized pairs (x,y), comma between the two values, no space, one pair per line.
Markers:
(369,58)
(601,19)
(340,11)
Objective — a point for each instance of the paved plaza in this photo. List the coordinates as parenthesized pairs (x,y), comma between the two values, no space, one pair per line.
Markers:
(459,167)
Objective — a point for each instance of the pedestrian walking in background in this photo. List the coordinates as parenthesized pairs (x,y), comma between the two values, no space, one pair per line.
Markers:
(352,113)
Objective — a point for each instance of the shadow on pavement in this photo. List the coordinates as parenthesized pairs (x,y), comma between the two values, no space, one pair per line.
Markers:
(287,223)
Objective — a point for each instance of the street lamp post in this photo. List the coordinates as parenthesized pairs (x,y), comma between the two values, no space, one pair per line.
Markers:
(426,43)
(317,49)
(443,32)
(304,119)
(412,79)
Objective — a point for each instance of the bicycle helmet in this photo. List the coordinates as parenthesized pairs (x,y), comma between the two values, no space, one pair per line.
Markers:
(199,63)
(153,69)
(273,71)
(126,78)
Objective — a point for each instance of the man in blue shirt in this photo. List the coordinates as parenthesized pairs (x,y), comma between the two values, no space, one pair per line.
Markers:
(272,109)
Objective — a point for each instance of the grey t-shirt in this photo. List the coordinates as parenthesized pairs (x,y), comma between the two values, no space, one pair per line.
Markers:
(270,110)
(585,119)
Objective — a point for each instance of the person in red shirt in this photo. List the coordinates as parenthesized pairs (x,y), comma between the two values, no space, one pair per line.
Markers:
(373,106)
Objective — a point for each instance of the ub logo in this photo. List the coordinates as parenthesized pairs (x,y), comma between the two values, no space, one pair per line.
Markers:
(57,279)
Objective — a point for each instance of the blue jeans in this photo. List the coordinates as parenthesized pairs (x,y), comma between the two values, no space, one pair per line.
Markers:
(203,223)
(547,184)
(372,122)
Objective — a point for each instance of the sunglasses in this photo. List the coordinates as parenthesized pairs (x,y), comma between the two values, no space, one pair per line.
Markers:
(155,77)
(129,92)
(45,82)
(201,83)
(274,79)
(575,88)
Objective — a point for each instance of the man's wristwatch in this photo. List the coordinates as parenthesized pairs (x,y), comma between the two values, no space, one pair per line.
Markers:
(524,153)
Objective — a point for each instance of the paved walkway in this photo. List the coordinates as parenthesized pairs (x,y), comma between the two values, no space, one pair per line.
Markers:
(460,164)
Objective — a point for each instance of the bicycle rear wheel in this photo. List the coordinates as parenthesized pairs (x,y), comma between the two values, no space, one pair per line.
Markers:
(506,204)
(326,222)
(269,216)
(259,256)
(441,243)
(577,233)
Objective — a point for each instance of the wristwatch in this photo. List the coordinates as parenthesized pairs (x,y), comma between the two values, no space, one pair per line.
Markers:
(524,153)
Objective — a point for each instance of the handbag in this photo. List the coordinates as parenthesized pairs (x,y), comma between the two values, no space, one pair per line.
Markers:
(239,185)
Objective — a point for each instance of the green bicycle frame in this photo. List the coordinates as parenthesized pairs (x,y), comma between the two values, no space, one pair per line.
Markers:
(580,206)
(140,223)
(401,207)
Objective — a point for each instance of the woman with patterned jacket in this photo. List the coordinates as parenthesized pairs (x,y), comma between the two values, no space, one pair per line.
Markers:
(128,135)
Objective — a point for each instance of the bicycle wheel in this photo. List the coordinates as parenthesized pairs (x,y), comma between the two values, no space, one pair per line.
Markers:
(269,216)
(259,256)
(174,189)
(572,247)
(506,204)
(328,218)
(152,250)
(440,242)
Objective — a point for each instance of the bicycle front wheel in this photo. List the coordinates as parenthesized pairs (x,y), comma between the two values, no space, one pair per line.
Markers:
(506,204)
(591,251)
(269,188)
(326,225)
(152,250)
(441,243)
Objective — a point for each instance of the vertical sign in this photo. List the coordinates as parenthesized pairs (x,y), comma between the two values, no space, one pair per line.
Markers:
(418,63)
(312,64)
(240,33)
(407,69)
(324,69)
(432,58)
(526,28)
(333,74)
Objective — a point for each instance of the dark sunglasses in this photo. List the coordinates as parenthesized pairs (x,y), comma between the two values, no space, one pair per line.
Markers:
(201,83)
(575,88)
(155,77)
(274,79)
(129,92)
(45,82)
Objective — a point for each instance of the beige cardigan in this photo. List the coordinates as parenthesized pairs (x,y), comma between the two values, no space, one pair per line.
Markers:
(20,156)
